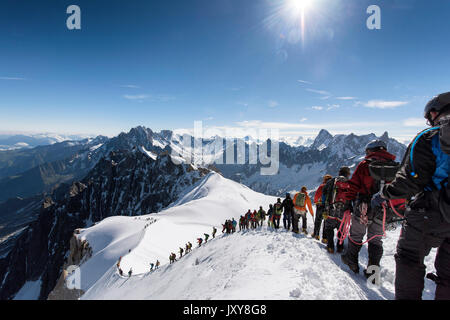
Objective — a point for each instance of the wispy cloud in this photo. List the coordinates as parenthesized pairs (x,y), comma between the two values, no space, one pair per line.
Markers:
(331,125)
(304,81)
(318,108)
(346,98)
(332,106)
(321,92)
(303,119)
(273,103)
(12,78)
(132,86)
(384,104)
(136,96)
(149,97)
(414,122)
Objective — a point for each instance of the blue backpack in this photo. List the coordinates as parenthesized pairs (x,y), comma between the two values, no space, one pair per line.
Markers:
(440,176)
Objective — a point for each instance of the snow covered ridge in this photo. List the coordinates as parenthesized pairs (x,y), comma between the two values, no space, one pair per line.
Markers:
(210,202)
(126,183)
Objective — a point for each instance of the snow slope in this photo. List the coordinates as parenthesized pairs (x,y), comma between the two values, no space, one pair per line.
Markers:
(213,200)
(255,264)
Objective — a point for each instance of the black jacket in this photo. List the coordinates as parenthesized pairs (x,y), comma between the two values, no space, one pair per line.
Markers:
(288,205)
(405,185)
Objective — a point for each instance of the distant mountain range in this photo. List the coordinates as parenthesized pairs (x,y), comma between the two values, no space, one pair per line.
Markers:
(24,141)
(28,172)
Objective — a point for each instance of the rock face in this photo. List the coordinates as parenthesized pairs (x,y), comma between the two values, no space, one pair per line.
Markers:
(15,215)
(124,183)
(79,252)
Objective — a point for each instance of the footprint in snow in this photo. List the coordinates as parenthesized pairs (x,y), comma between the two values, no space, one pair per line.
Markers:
(295,293)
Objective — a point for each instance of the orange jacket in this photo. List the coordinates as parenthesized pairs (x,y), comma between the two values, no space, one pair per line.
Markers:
(307,204)
(318,196)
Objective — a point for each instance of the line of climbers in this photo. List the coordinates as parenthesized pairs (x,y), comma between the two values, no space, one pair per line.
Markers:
(351,206)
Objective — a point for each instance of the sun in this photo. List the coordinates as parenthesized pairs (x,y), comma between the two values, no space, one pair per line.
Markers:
(290,18)
(299,6)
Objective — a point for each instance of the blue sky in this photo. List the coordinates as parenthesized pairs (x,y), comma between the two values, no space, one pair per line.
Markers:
(230,63)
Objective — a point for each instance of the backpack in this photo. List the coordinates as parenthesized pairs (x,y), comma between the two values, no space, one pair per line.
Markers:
(382,171)
(278,208)
(340,188)
(300,200)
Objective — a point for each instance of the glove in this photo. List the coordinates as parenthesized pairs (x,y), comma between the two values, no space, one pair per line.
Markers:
(363,207)
(363,219)
(377,200)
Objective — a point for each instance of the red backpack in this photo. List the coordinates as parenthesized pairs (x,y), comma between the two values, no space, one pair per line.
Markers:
(341,187)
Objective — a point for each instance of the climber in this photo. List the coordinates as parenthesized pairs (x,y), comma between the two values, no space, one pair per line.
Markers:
(319,208)
(288,207)
(241,223)
(335,204)
(254,219)
(262,215)
(423,178)
(302,204)
(278,209)
(362,187)
(270,216)
(181,252)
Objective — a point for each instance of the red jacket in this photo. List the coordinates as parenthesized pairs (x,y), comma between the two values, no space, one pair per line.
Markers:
(361,181)
(318,195)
